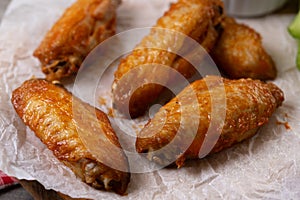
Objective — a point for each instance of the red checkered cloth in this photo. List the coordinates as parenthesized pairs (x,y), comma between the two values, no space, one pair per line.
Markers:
(6,181)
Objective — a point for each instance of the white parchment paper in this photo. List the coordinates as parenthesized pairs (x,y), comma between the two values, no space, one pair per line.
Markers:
(264,167)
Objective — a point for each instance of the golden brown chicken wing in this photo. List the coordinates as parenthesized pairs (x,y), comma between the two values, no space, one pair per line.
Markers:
(141,76)
(74,131)
(239,53)
(218,111)
(81,28)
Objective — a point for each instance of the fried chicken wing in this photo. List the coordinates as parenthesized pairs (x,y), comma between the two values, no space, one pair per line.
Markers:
(73,131)
(239,53)
(82,27)
(197,19)
(178,131)
(207,41)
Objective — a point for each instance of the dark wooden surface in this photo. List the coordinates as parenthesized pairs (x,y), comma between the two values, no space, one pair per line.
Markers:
(38,192)
(292,6)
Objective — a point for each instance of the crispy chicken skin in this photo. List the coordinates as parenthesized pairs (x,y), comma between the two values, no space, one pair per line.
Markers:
(47,109)
(248,105)
(239,53)
(197,19)
(82,27)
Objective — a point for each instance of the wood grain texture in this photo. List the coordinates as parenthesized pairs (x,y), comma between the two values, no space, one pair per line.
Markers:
(39,192)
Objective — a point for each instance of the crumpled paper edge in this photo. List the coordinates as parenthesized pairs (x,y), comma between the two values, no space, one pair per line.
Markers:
(262,167)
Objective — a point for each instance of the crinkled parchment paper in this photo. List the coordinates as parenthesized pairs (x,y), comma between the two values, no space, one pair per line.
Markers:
(264,167)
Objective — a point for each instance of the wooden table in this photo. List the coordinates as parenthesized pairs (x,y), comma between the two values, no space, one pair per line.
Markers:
(38,191)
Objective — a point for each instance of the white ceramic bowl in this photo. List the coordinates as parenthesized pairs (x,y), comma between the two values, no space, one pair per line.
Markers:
(252,8)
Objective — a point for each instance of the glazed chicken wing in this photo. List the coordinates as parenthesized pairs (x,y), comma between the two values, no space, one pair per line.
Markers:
(209,115)
(239,53)
(82,27)
(79,135)
(141,76)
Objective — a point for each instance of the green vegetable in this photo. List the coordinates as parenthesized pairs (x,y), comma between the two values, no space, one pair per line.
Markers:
(294,30)
(298,56)
(294,27)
